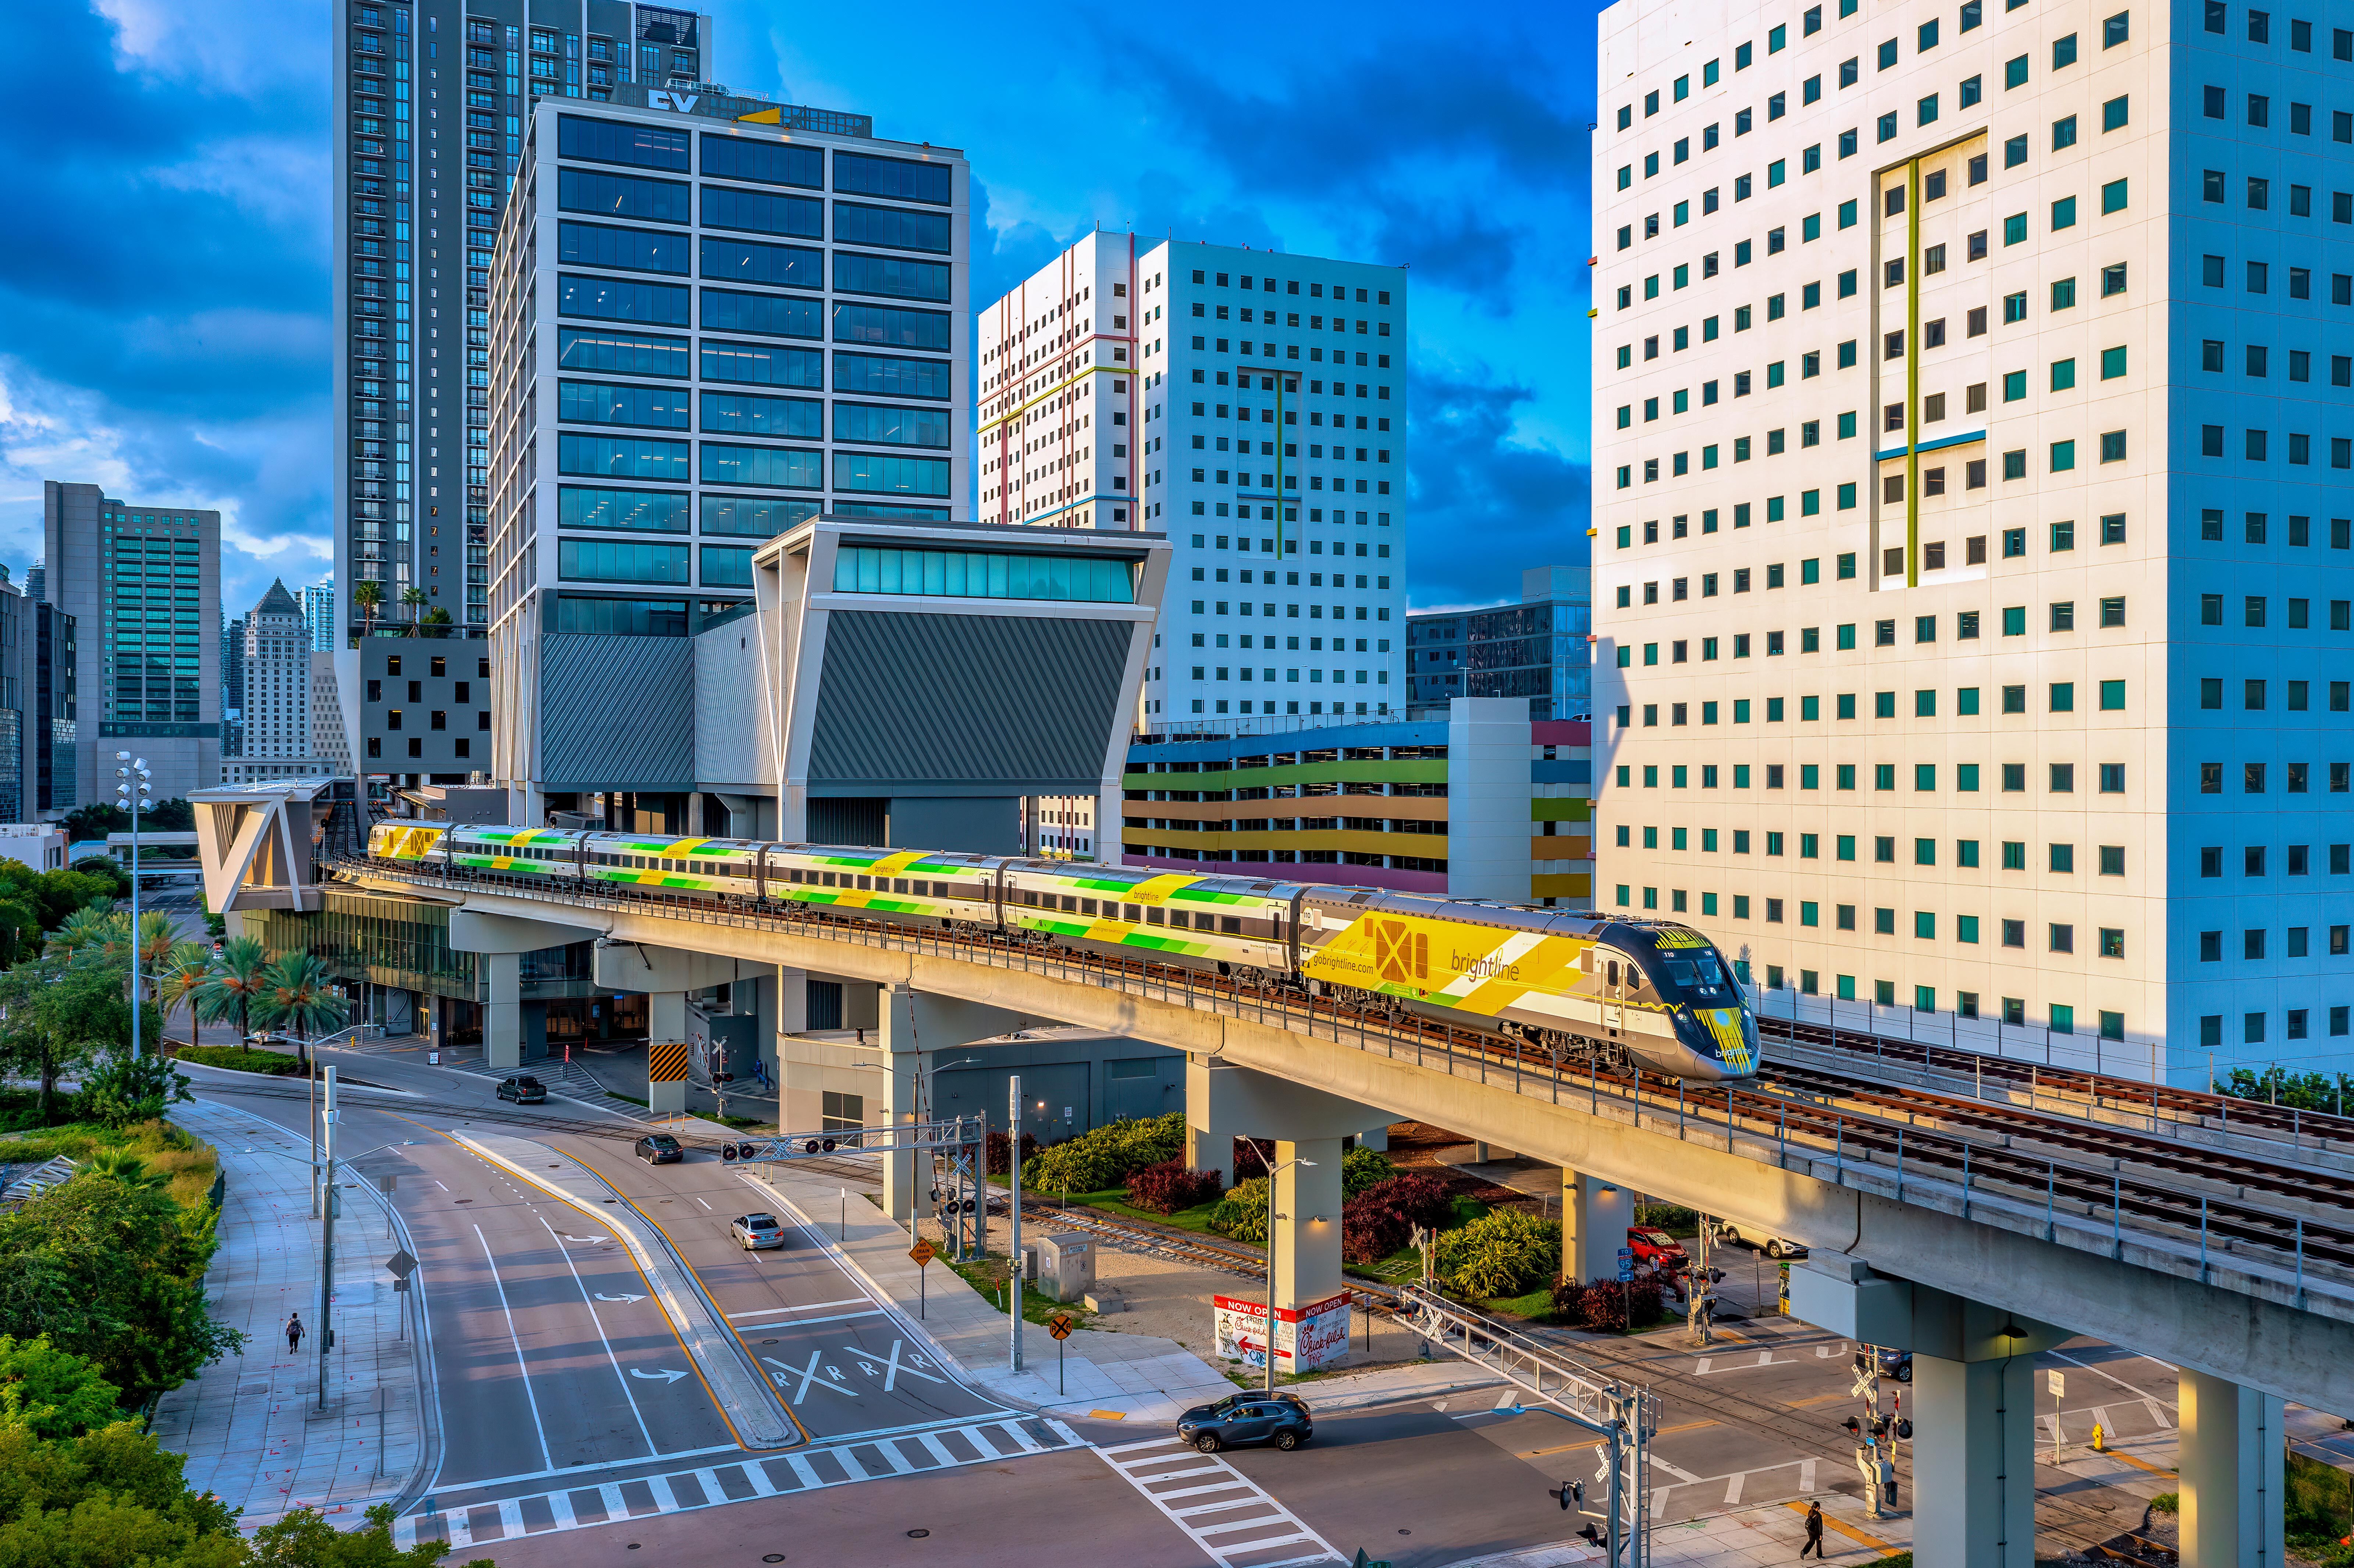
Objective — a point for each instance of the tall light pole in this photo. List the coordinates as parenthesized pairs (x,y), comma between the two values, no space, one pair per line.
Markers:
(1273,1170)
(1013,1171)
(321,1329)
(131,792)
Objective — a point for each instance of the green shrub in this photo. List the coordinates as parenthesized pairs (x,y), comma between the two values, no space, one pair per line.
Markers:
(1242,1212)
(1364,1168)
(1673,1218)
(241,1058)
(1106,1156)
(1508,1252)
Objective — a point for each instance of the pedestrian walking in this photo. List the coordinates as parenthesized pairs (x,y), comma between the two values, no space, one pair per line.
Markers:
(1814,1533)
(293,1332)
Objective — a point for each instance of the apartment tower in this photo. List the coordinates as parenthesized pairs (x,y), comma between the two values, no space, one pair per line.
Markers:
(1116,385)
(1973,565)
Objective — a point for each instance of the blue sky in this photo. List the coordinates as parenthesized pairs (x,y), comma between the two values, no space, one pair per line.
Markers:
(163,267)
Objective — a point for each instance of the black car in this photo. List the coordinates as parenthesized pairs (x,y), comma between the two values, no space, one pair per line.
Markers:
(1897,1364)
(524,1089)
(659,1149)
(1279,1419)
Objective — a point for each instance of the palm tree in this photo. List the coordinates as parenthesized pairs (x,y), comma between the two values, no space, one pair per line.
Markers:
(412,599)
(368,596)
(126,1167)
(94,927)
(297,993)
(233,984)
(180,981)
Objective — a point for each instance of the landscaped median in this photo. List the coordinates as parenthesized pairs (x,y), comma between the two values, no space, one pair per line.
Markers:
(241,1059)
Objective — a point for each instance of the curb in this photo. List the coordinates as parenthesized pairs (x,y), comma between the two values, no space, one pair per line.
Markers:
(758,1420)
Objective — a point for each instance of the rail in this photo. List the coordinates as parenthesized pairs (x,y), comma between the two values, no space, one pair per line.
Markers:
(2183,1216)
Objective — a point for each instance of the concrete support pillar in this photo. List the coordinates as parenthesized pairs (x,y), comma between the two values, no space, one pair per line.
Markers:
(1306,1237)
(1377,1138)
(1973,1462)
(2233,1487)
(1483,1153)
(502,1015)
(1594,1220)
(1210,1130)
(913,1030)
(666,1025)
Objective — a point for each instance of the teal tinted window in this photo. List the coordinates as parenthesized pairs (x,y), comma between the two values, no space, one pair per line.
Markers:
(753,516)
(622,617)
(646,511)
(604,403)
(897,179)
(732,157)
(894,227)
(751,262)
(621,456)
(625,354)
(778,315)
(727,566)
(886,328)
(762,365)
(804,217)
(884,426)
(619,300)
(747,414)
(785,467)
(873,474)
(969,574)
(618,141)
(898,276)
(875,376)
(632,250)
(620,561)
(622,196)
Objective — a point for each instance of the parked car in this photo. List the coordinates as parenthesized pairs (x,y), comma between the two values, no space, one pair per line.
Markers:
(1770,1245)
(524,1089)
(754,1231)
(1897,1364)
(1655,1247)
(659,1149)
(1282,1418)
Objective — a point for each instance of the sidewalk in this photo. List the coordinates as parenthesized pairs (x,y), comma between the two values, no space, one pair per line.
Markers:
(249,1423)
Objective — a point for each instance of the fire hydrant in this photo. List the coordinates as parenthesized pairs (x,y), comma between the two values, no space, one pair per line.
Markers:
(2099,1445)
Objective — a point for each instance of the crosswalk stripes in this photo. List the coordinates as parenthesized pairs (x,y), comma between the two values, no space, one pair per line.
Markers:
(1223,1511)
(808,1469)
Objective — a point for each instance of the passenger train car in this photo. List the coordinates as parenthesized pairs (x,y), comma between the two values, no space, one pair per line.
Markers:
(1654,992)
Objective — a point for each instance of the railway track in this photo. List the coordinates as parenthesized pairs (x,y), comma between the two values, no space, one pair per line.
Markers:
(2082,1166)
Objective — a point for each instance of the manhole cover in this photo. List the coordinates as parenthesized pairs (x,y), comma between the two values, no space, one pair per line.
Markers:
(465,1200)
(768,1342)
(774,1557)
(556,1168)
(612,1199)
(918,1534)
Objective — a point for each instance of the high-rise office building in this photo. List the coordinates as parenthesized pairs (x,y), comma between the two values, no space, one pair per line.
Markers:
(232,666)
(717,318)
(48,683)
(1115,387)
(421,179)
(319,616)
(12,701)
(1539,649)
(142,583)
(277,658)
(1971,460)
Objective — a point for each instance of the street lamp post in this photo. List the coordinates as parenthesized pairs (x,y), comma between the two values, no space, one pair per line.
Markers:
(132,792)
(1272,1172)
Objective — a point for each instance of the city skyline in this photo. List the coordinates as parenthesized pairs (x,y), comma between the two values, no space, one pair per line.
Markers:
(232,408)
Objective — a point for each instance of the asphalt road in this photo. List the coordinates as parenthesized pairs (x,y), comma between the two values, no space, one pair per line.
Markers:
(557,1371)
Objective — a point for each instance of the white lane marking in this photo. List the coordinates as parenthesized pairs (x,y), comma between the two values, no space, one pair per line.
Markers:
(801,1468)
(665,1500)
(1702,1369)
(1270,1514)
(2158,1414)
(757,1475)
(938,1450)
(707,1205)
(712,1490)
(547,1459)
(2097,1372)
(1679,1473)
(437,1182)
(1732,1488)
(511,1517)
(609,1356)
(614,1507)
(1806,1475)
(481,1482)
(804,1306)
(559,1508)
(796,1322)
(849,1465)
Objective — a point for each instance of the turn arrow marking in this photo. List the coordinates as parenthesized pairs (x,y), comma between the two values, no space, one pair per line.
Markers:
(664,1375)
(602,1297)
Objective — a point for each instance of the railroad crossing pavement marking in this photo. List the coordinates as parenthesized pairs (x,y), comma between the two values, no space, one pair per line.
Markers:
(711,1486)
(1243,1506)
(808,1375)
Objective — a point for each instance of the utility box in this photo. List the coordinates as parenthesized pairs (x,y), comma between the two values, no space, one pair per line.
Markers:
(1062,1267)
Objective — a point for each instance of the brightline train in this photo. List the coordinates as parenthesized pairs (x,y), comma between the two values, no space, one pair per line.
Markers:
(1652,992)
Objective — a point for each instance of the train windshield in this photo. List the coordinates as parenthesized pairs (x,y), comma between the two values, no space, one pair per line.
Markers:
(1699,974)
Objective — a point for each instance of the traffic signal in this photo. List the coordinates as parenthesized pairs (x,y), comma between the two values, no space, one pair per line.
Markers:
(1854,1427)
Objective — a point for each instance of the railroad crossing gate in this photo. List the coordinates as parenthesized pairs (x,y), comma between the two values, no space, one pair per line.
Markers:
(666,1075)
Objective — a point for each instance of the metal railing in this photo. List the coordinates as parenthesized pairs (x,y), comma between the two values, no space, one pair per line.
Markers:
(2084,1203)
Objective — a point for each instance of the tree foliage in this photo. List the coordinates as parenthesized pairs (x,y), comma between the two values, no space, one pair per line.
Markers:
(52,1392)
(122,1089)
(235,982)
(2278,1085)
(297,993)
(1507,1252)
(112,1269)
(60,1011)
(1108,1155)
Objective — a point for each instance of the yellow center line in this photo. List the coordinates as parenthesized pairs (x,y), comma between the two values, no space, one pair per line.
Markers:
(1852,1533)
